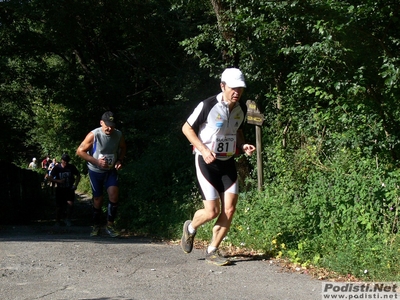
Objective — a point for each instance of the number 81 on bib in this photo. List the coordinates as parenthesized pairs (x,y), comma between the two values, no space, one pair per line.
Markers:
(224,145)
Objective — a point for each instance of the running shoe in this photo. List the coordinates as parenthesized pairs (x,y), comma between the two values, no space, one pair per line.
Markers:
(112,231)
(95,230)
(187,238)
(216,258)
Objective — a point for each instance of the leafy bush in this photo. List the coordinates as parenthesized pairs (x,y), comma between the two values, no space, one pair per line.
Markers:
(157,189)
(344,219)
(84,185)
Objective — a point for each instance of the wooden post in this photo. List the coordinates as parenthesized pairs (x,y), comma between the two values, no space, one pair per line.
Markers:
(259,158)
(255,117)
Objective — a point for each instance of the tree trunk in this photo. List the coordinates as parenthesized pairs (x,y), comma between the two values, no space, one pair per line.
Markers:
(220,10)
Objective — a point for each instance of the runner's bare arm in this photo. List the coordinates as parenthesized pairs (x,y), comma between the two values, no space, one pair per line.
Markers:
(84,147)
(122,149)
(246,148)
(191,135)
(121,154)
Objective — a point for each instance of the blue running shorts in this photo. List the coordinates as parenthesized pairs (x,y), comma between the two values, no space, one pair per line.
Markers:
(99,181)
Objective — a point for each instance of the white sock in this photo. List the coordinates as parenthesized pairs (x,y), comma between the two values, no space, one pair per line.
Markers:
(191,229)
(211,249)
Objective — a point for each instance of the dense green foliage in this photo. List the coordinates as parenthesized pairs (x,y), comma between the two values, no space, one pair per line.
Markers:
(325,74)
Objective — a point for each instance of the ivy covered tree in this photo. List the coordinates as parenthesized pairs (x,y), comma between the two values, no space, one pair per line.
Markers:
(66,62)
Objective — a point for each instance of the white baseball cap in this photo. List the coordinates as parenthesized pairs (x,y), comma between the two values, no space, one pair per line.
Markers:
(233,78)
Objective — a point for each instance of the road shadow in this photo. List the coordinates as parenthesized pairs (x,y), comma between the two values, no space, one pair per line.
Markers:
(43,228)
(237,258)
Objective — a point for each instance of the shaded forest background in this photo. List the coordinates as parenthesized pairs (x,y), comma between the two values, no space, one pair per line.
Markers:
(324,73)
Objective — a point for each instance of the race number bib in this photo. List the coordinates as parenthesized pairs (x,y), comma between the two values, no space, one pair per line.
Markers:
(224,145)
(109,158)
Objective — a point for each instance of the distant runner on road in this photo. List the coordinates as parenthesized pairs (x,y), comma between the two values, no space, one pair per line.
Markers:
(67,177)
(104,150)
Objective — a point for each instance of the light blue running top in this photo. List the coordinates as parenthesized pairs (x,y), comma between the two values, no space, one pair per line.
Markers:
(106,146)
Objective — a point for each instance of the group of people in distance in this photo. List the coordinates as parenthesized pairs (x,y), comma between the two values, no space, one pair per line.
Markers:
(46,164)
(214,128)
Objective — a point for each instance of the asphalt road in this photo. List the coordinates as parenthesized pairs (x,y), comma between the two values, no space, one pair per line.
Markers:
(40,262)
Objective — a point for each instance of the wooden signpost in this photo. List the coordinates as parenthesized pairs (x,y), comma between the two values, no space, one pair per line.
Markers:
(255,117)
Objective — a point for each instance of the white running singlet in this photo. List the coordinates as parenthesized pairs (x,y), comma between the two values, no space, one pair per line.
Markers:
(216,127)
